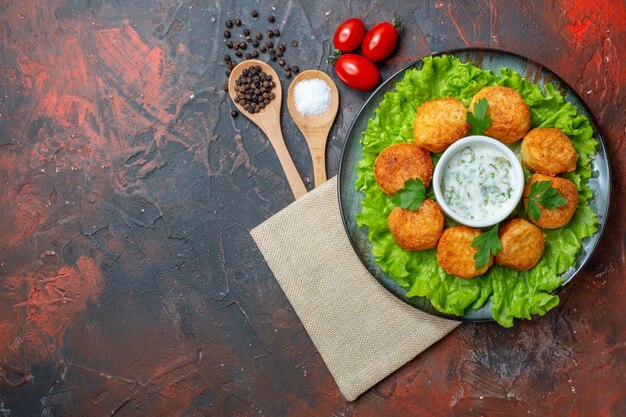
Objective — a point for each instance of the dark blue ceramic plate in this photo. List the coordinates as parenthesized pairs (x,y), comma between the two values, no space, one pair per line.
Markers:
(350,199)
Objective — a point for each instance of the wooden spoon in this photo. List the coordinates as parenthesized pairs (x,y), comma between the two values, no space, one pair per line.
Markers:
(268,120)
(315,128)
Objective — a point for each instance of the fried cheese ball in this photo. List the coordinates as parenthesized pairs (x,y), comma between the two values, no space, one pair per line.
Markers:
(522,245)
(400,162)
(558,217)
(419,229)
(439,123)
(510,115)
(548,151)
(455,253)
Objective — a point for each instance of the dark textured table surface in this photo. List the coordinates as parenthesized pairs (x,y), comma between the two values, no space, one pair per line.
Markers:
(129,284)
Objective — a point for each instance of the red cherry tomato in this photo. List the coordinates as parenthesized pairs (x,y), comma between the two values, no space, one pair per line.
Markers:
(349,35)
(357,72)
(380,40)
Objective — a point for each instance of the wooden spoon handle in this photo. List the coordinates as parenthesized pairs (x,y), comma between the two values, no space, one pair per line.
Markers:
(318,155)
(293,177)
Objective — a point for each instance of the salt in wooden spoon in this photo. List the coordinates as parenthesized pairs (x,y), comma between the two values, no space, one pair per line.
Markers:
(268,120)
(315,128)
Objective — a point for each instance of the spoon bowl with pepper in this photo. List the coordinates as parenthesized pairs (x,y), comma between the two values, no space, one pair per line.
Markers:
(247,84)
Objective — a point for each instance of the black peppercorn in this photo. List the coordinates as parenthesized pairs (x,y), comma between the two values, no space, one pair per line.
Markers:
(225,87)
(246,32)
(235,45)
(238,53)
(229,45)
(248,56)
(258,36)
(276,32)
(254,13)
(226,58)
(255,43)
(270,18)
(227,34)
(269,33)
(269,44)
(288,74)
(287,68)
(262,48)
(242,45)
(237,22)
(234,113)
(273,57)
(281,62)
(281,47)
(279,53)
(229,23)
(295,69)
(294,43)
(255,54)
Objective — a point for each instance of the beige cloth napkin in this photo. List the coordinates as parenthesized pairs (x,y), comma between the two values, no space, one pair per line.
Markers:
(361,330)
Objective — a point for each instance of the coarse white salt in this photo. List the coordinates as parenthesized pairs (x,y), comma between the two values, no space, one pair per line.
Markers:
(312,97)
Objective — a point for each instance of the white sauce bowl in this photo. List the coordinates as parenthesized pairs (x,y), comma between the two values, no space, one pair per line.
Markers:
(517,183)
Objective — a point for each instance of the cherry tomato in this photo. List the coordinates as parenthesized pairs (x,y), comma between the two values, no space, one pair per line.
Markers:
(381,40)
(349,35)
(357,71)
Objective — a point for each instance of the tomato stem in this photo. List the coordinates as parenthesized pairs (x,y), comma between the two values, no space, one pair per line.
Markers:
(396,22)
(332,58)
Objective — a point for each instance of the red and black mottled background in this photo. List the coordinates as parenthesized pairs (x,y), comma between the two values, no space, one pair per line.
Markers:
(129,284)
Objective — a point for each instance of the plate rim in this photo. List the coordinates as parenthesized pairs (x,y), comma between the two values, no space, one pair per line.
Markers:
(557,77)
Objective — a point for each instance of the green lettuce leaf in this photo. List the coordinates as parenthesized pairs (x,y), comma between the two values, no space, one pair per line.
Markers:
(513,294)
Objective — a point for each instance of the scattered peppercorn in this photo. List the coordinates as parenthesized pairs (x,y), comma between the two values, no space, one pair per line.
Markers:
(262,48)
(279,53)
(237,22)
(248,56)
(234,113)
(294,43)
(246,32)
(238,53)
(281,62)
(270,18)
(288,74)
(255,43)
(269,33)
(295,69)
(269,44)
(276,32)
(229,23)
(242,45)
(255,54)
(254,13)
(226,58)
(248,39)
(229,45)
(273,57)
(287,68)
(225,87)
(281,47)
(227,33)
(258,36)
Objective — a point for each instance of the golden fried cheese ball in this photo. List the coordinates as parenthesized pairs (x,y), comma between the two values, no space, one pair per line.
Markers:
(548,151)
(558,217)
(455,253)
(419,229)
(510,115)
(439,123)
(522,245)
(400,162)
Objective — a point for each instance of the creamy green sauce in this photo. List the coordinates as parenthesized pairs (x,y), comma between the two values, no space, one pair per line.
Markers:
(477,182)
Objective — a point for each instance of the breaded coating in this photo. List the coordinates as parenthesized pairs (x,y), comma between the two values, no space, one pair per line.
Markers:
(400,162)
(522,245)
(510,115)
(439,123)
(548,151)
(455,253)
(419,229)
(558,217)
